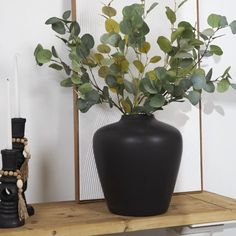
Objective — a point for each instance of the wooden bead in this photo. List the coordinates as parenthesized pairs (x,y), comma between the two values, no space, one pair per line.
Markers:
(13,140)
(1,172)
(22,140)
(11,173)
(15,173)
(6,173)
(18,177)
(18,140)
(19,183)
(18,171)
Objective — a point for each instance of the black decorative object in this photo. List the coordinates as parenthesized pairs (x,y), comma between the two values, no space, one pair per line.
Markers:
(138,159)
(9,194)
(18,134)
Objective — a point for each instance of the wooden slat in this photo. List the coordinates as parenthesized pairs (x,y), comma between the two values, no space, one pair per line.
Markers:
(72,219)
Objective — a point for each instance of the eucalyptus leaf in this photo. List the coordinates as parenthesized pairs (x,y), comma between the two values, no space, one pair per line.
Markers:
(152,7)
(43,56)
(223,85)
(52,20)
(129,87)
(56,66)
(209,87)
(216,50)
(139,66)
(155,59)
(157,101)
(66,83)
(66,15)
(59,27)
(233,26)
(85,88)
(194,97)
(199,82)
(164,44)
(87,39)
(109,11)
(170,15)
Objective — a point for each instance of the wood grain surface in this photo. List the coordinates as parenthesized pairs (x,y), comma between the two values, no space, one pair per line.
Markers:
(72,219)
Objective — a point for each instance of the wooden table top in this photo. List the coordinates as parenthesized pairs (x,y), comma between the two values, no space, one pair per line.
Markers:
(73,219)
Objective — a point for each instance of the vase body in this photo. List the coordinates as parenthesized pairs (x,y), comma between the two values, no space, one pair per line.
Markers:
(138,159)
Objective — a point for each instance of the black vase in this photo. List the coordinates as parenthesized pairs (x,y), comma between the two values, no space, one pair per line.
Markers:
(138,160)
(9,217)
(18,131)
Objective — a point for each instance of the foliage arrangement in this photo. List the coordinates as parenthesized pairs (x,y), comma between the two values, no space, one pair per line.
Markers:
(119,71)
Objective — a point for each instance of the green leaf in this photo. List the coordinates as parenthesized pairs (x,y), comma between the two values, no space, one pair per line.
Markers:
(107,61)
(44,56)
(145,47)
(66,68)
(214,20)
(209,87)
(103,71)
(147,86)
(127,105)
(199,82)
(52,20)
(92,96)
(129,87)
(223,85)
(59,27)
(103,48)
(87,39)
(194,97)
(164,44)
(83,105)
(112,26)
(109,11)
(233,26)
(209,75)
(54,52)
(170,15)
(177,33)
(75,28)
(85,88)
(56,66)
(155,59)
(216,50)
(66,83)
(183,55)
(226,72)
(152,7)
(66,15)
(37,49)
(139,66)
(75,79)
(208,32)
(182,3)
(111,81)
(157,101)
(114,39)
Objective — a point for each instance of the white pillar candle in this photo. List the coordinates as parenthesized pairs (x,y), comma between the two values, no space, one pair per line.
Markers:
(9,128)
(17,93)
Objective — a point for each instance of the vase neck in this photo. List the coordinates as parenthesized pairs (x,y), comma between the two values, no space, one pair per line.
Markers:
(137,117)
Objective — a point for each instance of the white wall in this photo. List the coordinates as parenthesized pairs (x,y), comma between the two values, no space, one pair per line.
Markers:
(220,114)
(47,106)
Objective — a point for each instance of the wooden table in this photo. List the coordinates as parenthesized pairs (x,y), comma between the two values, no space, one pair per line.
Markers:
(73,219)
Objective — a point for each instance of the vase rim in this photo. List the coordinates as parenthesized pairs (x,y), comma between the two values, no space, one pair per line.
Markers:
(136,116)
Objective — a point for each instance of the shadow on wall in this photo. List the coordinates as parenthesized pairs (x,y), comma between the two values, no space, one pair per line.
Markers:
(216,102)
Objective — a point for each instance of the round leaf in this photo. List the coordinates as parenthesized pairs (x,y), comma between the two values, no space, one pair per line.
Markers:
(44,56)
(139,65)
(109,11)
(216,50)
(157,101)
(164,44)
(103,48)
(194,97)
(112,26)
(223,86)
(155,59)
(59,27)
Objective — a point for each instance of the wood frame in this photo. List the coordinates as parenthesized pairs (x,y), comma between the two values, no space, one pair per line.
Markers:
(76,123)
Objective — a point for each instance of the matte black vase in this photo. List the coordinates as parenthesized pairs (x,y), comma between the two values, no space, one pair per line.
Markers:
(9,217)
(138,160)
(18,131)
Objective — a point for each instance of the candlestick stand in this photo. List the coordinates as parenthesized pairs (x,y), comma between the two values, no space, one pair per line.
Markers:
(9,192)
(20,143)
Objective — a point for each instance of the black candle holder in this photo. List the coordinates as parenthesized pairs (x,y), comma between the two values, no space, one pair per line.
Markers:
(18,132)
(9,192)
